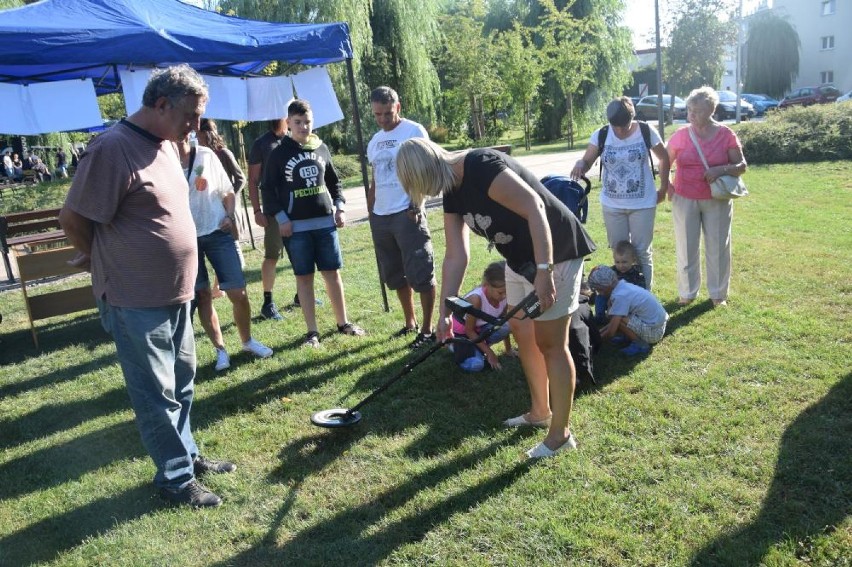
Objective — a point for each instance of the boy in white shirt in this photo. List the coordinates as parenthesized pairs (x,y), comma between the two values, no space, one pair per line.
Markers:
(634,311)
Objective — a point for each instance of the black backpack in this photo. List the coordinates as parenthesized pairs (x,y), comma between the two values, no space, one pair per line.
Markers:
(646,136)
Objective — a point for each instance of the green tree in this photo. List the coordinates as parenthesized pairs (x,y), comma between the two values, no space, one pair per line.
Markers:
(405,34)
(772,55)
(521,70)
(697,45)
(467,65)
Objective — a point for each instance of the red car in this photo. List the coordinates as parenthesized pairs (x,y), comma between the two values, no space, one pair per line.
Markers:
(810,95)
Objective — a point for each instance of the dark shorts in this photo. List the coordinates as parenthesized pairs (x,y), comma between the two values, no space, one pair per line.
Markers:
(404,251)
(218,247)
(319,247)
(271,239)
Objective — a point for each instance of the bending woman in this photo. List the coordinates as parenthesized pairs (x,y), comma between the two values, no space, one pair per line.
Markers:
(493,195)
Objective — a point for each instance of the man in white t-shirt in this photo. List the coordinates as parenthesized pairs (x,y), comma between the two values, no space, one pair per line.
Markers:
(400,233)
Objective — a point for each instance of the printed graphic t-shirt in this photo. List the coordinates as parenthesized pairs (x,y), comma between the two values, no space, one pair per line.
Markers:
(381,153)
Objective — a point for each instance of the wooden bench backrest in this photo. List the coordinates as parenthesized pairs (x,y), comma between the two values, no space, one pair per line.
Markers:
(35,265)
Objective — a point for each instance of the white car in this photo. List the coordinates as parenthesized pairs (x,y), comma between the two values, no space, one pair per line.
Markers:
(844,97)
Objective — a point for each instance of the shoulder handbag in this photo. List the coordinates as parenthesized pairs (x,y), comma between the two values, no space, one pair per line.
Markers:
(724,187)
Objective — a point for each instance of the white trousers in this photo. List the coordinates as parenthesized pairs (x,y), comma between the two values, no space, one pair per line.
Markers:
(637,227)
(692,217)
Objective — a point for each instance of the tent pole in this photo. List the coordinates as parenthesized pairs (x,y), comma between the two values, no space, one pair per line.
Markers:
(362,157)
(242,146)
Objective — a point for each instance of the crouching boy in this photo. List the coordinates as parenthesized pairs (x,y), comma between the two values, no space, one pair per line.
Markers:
(635,314)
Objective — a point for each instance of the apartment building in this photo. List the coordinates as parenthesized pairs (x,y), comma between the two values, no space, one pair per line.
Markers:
(826,43)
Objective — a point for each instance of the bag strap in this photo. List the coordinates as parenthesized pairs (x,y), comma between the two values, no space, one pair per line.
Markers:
(191,162)
(697,147)
(646,137)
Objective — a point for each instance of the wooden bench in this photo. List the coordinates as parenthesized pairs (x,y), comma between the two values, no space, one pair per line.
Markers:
(37,263)
(28,228)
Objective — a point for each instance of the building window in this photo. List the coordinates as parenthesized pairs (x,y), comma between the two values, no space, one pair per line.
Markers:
(826,77)
(828,42)
(827,7)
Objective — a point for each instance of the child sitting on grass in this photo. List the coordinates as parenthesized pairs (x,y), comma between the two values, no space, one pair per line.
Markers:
(634,311)
(626,266)
(490,298)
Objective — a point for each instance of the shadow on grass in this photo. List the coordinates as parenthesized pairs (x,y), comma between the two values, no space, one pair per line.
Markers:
(610,364)
(61,463)
(349,537)
(52,418)
(64,374)
(811,492)
(44,540)
(86,329)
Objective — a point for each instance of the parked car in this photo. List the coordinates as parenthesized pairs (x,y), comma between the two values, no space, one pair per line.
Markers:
(807,96)
(845,97)
(646,108)
(727,107)
(760,102)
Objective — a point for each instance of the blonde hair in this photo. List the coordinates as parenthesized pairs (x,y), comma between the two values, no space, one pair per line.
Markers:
(705,94)
(425,169)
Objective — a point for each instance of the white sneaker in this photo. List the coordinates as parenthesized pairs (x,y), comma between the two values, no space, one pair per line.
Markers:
(257,349)
(542,451)
(223,361)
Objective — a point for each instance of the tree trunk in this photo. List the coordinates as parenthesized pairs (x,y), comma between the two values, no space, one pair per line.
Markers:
(526,124)
(570,101)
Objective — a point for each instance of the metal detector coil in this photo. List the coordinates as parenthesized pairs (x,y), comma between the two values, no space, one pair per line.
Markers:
(337,417)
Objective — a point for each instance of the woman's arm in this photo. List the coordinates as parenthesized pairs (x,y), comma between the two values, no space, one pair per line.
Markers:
(672,158)
(736,165)
(664,165)
(456,257)
(513,193)
(583,164)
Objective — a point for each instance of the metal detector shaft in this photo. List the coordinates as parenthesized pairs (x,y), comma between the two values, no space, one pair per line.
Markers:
(529,304)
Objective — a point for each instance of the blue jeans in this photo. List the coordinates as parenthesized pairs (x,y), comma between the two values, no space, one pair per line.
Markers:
(156,349)
(319,247)
(469,357)
(219,248)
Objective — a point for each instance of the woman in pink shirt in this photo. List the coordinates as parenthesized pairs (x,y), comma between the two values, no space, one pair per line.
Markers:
(694,211)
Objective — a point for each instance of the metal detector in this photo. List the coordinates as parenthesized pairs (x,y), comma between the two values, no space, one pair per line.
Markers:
(343,417)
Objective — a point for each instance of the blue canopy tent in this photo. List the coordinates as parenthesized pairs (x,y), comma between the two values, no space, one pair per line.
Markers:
(70,39)
(55,40)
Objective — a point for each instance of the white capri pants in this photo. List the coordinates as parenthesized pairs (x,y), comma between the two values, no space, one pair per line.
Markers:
(712,217)
(637,227)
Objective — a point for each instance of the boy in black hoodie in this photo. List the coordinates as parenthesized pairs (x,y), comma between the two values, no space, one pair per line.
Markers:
(302,191)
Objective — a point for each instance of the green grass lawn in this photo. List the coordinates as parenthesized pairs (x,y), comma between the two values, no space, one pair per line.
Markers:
(730,444)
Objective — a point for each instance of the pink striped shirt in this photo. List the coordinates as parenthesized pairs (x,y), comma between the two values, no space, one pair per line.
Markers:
(689,180)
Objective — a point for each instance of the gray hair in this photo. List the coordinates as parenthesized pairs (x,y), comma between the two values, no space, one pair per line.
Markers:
(706,95)
(384,95)
(425,169)
(174,83)
(602,277)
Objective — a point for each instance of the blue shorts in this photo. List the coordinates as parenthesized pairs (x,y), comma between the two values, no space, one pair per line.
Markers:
(218,247)
(319,247)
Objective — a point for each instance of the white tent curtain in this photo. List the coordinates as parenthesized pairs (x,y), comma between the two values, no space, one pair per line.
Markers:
(48,107)
(314,85)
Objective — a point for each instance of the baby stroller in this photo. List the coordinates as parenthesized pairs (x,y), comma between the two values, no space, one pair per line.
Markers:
(571,193)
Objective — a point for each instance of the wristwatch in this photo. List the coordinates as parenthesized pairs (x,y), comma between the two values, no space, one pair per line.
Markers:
(547,266)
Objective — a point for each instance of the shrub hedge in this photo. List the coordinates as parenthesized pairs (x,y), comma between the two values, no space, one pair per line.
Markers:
(813,133)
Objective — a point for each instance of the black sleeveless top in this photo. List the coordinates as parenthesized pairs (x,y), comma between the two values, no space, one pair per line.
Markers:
(504,229)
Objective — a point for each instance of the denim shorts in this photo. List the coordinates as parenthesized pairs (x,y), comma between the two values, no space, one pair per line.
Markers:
(218,247)
(319,247)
